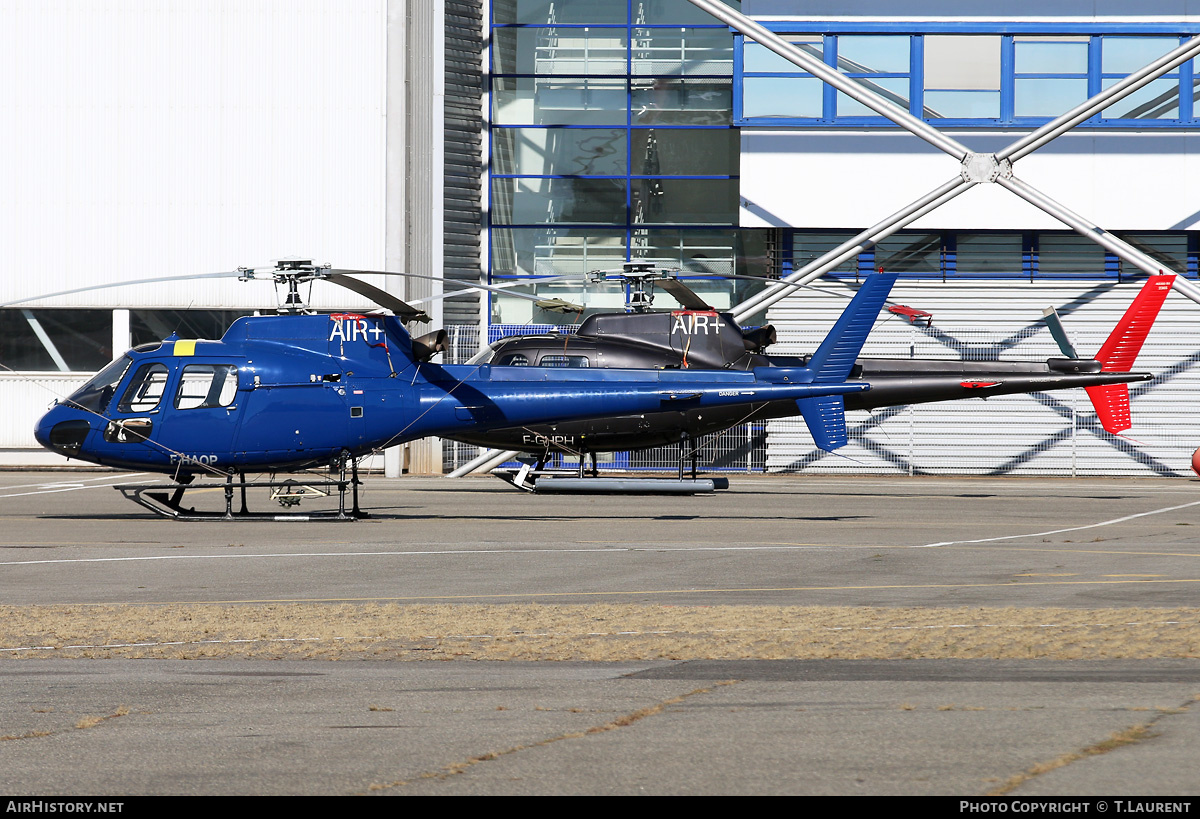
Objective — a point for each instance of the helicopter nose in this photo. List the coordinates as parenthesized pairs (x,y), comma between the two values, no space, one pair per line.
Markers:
(65,436)
(41,430)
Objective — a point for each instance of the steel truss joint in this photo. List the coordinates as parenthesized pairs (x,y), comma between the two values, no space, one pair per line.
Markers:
(984,168)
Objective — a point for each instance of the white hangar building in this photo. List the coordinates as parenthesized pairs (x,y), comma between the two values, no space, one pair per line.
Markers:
(521,140)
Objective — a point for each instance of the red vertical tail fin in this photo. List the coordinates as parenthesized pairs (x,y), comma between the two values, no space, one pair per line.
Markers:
(1121,350)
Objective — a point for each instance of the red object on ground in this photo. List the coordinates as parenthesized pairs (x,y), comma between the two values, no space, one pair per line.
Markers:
(912,314)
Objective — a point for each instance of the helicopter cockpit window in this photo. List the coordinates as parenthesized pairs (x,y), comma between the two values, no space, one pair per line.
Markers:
(514,360)
(145,390)
(97,393)
(485,355)
(206,385)
(563,361)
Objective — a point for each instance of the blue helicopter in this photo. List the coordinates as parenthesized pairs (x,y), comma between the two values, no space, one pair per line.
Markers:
(297,390)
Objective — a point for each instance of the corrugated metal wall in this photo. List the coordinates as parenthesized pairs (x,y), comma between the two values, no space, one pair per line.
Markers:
(1041,434)
(464,154)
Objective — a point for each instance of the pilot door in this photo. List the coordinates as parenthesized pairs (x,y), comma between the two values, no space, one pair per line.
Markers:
(136,412)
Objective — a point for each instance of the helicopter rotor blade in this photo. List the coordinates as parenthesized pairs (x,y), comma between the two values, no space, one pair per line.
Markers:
(500,288)
(686,296)
(224,274)
(785,284)
(405,311)
(1059,333)
(555,303)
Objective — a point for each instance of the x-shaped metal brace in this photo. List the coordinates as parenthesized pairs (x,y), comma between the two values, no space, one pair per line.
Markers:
(977,168)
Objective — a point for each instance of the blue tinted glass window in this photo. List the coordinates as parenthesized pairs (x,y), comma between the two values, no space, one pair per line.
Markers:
(553,251)
(534,201)
(967,78)
(1124,55)
(558,100)
(678,12)
(609,121)
(1047,97)
(681,101)
(760,59)
(1049,57)
(894,90)
(546,12)
(689,51)
(684,151)
(559,151)
(694,201)
(796,97)
(564,51)
(1157,100)
(873,54)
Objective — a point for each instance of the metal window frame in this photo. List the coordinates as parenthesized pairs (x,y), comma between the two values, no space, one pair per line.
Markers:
(630,227)
(1184,75)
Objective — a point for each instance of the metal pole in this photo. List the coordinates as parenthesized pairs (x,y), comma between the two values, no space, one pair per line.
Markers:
(1097,234)
(1114,93)
(1018,149)
(487,460)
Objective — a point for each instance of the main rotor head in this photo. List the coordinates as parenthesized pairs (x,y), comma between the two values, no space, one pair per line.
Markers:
(639,279)
(293,272)
(289,272)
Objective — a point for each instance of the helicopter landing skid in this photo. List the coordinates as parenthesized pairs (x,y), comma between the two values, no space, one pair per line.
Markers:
(555,481)
(166,500)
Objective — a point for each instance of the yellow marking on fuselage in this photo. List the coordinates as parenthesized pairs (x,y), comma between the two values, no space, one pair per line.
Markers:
(185,347)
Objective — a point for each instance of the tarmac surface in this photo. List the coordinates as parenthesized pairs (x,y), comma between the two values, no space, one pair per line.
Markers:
(691,721)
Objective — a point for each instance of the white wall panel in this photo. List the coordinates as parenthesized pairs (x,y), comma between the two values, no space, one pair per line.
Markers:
(819,179)
(26,398)
(144,138)
(1043,434)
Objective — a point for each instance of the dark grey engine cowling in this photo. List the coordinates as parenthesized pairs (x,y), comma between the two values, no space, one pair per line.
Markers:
(680,339)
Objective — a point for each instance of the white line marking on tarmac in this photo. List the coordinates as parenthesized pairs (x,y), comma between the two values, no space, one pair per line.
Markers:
(50,488)
(423,553)
(1062,531)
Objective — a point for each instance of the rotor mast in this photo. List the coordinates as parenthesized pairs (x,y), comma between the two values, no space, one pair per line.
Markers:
(289,272)
(639,278)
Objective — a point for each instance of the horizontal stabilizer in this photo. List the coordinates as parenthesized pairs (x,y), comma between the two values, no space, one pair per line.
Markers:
(1112,406)
(826,419)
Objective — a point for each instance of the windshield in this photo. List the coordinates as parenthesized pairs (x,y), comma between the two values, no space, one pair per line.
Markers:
(95,394)
(484,355)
